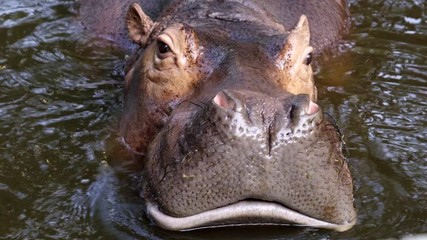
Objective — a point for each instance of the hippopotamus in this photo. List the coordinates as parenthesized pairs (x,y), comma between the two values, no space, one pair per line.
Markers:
(220,109)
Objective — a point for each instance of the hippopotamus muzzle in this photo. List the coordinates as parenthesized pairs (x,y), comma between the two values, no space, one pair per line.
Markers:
(249,158)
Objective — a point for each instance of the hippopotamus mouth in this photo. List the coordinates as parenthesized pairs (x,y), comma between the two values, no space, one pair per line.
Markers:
(241,213)
(240,164)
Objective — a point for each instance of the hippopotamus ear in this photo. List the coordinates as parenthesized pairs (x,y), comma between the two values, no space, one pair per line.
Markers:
(139,24)
(302,27)
(295,60)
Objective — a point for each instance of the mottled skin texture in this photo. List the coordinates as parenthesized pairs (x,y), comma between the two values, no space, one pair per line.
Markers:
(217,104)
(221,156)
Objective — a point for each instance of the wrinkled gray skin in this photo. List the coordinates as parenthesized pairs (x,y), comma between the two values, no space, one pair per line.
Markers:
(257,155)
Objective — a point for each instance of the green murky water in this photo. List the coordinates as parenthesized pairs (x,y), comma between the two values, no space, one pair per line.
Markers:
(61,92)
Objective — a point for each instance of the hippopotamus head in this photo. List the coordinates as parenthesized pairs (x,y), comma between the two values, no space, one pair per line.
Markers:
(220,108)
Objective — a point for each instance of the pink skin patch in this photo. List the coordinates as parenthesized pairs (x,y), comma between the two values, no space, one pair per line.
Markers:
(312,108)
(221,100)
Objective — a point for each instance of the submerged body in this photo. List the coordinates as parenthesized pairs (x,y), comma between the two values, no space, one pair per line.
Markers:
(220,108)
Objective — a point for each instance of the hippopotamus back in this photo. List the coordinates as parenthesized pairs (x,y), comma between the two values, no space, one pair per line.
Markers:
(331,17)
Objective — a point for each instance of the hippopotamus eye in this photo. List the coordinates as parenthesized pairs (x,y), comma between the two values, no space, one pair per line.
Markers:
(163,47)
(308,59)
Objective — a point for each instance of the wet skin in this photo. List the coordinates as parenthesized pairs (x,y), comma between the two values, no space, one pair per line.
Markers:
(220,109)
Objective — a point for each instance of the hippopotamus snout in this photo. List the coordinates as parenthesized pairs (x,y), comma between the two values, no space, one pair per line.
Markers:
(247,157)
(252,116)
(268,120)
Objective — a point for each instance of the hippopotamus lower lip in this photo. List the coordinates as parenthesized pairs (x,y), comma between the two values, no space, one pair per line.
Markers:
(243,209)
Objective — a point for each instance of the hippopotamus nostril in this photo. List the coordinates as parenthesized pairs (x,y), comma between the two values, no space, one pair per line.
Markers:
(226,99)
(222,100)
(312,108)
(302,105)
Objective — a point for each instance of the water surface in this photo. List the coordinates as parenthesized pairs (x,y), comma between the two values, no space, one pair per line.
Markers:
(61,93)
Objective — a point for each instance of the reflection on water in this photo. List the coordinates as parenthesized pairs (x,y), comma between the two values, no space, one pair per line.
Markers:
(60,94)
(383,90)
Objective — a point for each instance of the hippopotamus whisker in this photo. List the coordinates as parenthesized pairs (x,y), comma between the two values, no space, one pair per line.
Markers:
(198,104)
(123,142)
